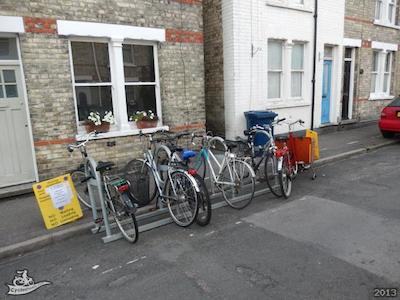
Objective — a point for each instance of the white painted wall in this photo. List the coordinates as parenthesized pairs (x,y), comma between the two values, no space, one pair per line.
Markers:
(252,23)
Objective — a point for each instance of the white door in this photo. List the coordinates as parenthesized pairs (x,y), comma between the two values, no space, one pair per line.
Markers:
(16,156)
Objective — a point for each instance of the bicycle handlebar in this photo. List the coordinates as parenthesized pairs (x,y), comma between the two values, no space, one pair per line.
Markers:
(71,147)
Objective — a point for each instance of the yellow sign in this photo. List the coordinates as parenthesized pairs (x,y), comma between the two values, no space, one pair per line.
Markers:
(57,201)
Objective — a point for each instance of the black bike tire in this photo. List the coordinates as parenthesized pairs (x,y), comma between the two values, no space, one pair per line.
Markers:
(204,202)
(275,190)
(152,193)
(82,176)
(286,191)
(132,239)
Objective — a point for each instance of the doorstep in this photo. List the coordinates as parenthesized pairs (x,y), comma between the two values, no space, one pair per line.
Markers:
(16,190)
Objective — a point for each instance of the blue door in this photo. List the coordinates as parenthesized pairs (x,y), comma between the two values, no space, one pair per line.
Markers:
(326,92)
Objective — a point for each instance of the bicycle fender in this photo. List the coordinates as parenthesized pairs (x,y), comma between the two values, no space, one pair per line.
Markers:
(253,174)
(280,163)
(192,180)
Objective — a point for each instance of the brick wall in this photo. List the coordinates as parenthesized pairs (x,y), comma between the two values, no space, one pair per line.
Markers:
(359,24)
(214,66)
(46,64)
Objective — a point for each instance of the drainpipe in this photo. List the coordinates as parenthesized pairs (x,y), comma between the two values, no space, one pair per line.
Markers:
(314,62)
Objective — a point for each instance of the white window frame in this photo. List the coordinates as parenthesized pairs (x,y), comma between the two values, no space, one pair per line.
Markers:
(382,92)
(301,71)
(383,17)
(115,35)
(280,71)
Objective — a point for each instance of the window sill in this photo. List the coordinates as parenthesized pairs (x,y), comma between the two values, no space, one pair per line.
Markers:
(380,97)
(384,24)
(81,136)
(297,7)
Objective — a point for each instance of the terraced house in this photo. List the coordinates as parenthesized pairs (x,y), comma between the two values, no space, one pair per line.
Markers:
(61,60)
(371,72)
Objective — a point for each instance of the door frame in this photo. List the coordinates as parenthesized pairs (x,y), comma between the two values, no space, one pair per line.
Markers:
(18,63)
(351,86)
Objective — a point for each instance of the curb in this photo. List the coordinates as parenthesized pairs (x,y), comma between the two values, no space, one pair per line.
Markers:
(48,239)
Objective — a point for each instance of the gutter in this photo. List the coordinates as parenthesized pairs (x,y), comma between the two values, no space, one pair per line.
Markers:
(314,62)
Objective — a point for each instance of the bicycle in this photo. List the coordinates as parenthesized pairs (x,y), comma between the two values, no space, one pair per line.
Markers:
(168,152)
(178,191)
(233,177)
(119,203)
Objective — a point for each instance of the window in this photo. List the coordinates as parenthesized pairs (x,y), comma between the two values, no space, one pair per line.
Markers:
(385,12)
(381,73)
(275,59)
(8,49)
(94,65)
(92,78)
(297,70)
(140,81)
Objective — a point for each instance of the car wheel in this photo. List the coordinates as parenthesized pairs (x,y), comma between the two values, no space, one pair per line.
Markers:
(387,134)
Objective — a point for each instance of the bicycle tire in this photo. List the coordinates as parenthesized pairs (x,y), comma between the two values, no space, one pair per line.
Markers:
(204,211)
(285,180)
(199,164)
(81,188)
(271,175)
(181,198)
(138,167)
(240,180)
(126,222)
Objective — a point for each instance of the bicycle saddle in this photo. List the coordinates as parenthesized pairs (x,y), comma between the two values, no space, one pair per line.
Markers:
(104,165)
(175,148)
(247,132)
(186,154)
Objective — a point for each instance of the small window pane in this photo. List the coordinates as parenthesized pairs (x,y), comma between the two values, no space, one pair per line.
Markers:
(378,9)
(93,99)
(328,52)
(297,57)
(139,98)
(387,62)
(9,76)
(274,85)
(274,55)
(385,83)
(8,49)
(375,61)
(390,12)
(1,92)
(373,82)
(138,63)
(91,62)
(348,52)
(297,82)
(11,91)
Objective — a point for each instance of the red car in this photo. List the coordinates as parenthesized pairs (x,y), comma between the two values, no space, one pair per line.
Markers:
(389,124)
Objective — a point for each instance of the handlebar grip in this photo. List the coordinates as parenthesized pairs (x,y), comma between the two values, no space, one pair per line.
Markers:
(86,179)
(281,120)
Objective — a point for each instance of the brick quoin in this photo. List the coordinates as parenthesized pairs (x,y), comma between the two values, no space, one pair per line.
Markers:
(366,44)
(182,36)
(40,25)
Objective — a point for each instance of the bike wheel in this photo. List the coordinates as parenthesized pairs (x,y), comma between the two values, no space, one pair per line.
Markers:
(79,179)
(237,183)
(181,196)
(271,174)
(204,211)
(285,179)
(142,182)
(126,221)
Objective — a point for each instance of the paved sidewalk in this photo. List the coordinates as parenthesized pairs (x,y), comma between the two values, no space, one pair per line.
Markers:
(21,220)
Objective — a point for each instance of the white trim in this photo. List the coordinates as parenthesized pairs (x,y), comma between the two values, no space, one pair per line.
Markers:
(291,6)
(352,42)
(12,24)
(380,23)
(384,46)
(379,96)
(91,29)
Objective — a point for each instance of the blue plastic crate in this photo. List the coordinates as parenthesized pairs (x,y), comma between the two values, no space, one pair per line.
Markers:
(259,117)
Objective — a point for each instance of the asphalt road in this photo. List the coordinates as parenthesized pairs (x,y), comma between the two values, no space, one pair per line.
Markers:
(337,238)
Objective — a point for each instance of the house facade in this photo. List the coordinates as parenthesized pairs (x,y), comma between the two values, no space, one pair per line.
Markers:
(59,61)
(371,72)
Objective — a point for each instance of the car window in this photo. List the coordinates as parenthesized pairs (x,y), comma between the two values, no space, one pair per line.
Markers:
(395,102)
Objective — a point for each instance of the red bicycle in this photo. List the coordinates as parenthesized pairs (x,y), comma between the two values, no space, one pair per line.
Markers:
(293,154)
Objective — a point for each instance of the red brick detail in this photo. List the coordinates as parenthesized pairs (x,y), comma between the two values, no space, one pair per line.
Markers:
(366,44)
(40,25)
(188,127)
(361,99)
(358,20)
(193,2)
(54,142)
(183,36)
